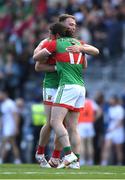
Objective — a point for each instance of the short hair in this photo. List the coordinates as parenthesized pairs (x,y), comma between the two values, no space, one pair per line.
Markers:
(63,17)
(58,28)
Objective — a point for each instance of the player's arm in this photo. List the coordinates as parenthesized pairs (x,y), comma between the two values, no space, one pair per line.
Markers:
(89,49)
(43,54)
(85,48)
(39,47)
(37,52)
(44,67)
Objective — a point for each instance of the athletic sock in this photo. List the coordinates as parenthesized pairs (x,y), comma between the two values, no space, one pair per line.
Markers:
(40,149)
(78,156)
(67,150)
(56,153)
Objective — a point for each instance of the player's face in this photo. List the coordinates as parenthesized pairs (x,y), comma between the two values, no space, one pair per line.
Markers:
(70,24)
(112,101)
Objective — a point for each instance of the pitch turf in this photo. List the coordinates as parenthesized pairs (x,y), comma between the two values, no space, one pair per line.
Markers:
(33,171)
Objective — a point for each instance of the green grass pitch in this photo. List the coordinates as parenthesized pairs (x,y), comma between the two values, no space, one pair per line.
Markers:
(33,171)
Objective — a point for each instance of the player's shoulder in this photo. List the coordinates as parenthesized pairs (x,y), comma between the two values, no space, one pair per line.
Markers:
(50,42)
(80,41)
(9,102)
(42,41)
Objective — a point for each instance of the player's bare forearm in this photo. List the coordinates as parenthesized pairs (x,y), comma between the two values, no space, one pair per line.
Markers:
(44,67)
(41,56)
(87,49)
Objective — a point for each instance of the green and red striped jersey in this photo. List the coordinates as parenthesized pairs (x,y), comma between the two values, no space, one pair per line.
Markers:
(69,65)
(51,79)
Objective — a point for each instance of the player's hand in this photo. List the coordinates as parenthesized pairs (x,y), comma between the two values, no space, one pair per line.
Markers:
(74,49)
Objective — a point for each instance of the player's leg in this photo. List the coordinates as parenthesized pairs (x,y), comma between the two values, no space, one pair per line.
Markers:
(118,140)
(3,149)
(66,98)
(90,151)
(72,122)
(46,129)
(89,137)
(15,150)
(57,118)
(43,139)
(75,139)
(55,158)
(119,152)
(58,114)
(83,151)
(106,151)
(82,132)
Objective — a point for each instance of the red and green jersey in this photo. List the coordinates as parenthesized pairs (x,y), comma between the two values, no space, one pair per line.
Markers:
(69,65)
(51,79)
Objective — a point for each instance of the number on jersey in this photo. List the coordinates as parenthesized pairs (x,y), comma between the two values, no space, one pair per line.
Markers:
(72,60)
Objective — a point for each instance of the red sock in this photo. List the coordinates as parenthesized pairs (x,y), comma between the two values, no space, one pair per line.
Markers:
(40,149)
(56,153)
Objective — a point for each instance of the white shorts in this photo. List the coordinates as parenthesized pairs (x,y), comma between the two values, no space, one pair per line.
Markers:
(9,129)
(86,130)
(117,136)
(49,95)
(71,97)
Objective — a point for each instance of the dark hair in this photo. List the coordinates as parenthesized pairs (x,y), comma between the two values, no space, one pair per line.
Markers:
(63,17)
(58,28)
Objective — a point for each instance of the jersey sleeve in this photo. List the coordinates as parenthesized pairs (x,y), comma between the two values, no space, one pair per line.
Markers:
(50,46)
(43,43)
(40,45)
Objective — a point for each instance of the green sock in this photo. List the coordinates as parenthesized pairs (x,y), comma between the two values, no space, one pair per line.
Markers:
(78,156)
(67,150)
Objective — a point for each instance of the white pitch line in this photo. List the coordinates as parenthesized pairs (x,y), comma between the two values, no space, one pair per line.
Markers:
(59,173)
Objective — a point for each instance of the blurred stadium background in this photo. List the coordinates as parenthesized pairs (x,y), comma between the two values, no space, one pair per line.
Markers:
(24,23)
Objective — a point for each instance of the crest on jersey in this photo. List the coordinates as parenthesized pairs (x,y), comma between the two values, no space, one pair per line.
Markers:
(49,97)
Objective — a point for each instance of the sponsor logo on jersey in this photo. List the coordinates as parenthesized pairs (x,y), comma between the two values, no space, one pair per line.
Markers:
(49,97)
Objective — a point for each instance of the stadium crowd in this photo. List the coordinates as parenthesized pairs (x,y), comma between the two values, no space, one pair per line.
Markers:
(23,24)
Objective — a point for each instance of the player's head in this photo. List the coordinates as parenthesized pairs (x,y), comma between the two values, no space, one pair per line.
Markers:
(68,21)
(58,30)
(114,99)
(20,103)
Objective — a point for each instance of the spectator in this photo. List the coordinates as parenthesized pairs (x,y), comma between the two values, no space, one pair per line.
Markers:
(114,134)
(10,129)
(87,117)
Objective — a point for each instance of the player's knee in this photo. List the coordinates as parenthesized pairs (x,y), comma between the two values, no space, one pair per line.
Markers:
(72,128)
(52,123)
